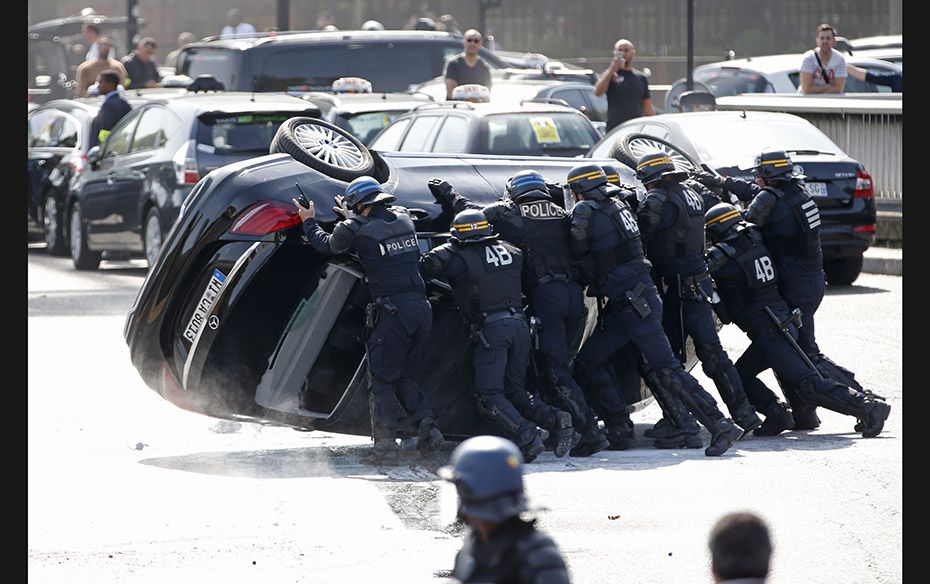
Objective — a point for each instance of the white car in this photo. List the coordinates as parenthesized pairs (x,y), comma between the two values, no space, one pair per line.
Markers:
(777,74)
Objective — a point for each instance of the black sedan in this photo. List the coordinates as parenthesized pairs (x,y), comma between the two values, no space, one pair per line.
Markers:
(239,318)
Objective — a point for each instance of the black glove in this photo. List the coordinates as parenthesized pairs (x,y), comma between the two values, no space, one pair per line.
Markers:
(708,180)
(441,190)
(555,191)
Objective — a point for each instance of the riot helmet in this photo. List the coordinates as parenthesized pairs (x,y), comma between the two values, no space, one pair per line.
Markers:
(721,222)
(527,182)
(586,179)
(470,226)
(487,472)
(612,174)
(367,191)
(653,166)
(772,164)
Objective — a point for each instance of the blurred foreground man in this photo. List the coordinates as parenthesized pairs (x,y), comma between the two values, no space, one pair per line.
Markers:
(740,549)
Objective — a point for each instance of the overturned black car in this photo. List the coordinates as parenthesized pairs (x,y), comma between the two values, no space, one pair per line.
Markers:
(239,318)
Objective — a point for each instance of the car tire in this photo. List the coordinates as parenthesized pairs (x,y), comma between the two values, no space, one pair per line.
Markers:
(152,237)
(323,147)
(53,227)
(635,145)
(84,259)
(622,157)
(842,271)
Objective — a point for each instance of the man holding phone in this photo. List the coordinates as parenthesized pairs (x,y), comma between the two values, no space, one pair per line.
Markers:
(627,88)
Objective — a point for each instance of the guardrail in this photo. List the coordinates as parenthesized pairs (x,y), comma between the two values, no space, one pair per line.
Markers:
(867,126)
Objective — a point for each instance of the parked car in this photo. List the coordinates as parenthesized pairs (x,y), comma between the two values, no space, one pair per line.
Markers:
(728,141)
(56,145)
(130,192)
(240,318)
(777,74)
(891,54)
(391,60)
(527,129)
(887,41)
(579,95)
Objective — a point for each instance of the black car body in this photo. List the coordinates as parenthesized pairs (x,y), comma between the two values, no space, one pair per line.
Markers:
(364,114)
(130,193)
(240,318)
(293,61)
(728,141)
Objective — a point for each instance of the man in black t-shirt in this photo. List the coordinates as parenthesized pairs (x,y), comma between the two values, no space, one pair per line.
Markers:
(468,67)
(627,88)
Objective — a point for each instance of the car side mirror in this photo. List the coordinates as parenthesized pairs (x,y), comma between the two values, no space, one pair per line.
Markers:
(93,156)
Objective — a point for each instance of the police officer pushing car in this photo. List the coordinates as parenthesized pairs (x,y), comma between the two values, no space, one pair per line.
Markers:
(399,318)
(747,277)
(527,217)
(671,223)
(790,223)
(484,273)
(606,237)
(500,546)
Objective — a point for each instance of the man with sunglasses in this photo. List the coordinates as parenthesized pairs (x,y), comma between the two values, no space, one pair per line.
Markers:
(467,67)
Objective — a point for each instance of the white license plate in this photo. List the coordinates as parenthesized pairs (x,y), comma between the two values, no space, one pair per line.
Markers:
(816,189)
(199,318)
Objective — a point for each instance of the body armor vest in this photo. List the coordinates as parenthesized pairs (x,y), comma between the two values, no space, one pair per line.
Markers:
(685,237)
(494,278)
(628,247)
(759,279)
(398,247)
(545,241)
(806,243)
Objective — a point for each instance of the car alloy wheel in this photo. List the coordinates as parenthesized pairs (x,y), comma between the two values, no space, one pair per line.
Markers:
(635,145)
(53,228)
(84,259)
(153,238)
(324,147)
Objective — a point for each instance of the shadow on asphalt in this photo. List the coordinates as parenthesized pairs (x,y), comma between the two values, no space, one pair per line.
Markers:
(122,267)
(853,289)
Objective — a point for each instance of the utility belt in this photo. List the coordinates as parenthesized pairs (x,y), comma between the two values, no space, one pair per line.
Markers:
(690,288)
(477,326)
(553,278)
(372,309)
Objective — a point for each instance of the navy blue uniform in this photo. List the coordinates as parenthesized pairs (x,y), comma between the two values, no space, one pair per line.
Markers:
(385,242)
(516,553)
(671,221)
(747,281)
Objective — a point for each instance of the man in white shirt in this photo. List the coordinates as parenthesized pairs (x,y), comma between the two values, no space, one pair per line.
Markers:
(235,26)
(823,69)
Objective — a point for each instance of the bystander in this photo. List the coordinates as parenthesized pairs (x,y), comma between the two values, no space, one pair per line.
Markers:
(468,67)
(627,88)
(88,71)
(823,70)
(140,65)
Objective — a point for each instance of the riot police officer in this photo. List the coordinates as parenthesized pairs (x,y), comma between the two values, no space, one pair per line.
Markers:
(747,277)
(527,217)
(605,236)
(619,188)
(384,238)
(484,273)
(671,223)
(790,223)
(500,546)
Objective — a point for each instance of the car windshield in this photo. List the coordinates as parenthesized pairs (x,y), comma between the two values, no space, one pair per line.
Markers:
(366,126)
(536,134)
(236,134)
(733,81)
(738,140)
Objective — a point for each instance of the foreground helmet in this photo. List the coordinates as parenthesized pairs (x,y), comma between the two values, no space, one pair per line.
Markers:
(586,177)
(654,165)
(366,190)
(721,222)
(488,474)
(772,163)
(525,182)
(471,225)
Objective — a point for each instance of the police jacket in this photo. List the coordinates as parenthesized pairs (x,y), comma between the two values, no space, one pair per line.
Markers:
(789,219)
(605,237)
(671,223)
(538,226)
(484,275)
(745,275)
(386,244)
(516,553)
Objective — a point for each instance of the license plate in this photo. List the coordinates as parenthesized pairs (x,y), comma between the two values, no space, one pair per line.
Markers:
(199,318)
(816,189)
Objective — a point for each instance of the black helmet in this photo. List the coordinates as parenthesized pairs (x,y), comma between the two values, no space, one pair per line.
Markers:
(586,177)
(471,225)
(721,222)
(654,165)
(366,190)
(525,182)
(772,163)
(488,474)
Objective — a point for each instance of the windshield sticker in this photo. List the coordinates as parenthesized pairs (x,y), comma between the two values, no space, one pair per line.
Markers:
(545,130)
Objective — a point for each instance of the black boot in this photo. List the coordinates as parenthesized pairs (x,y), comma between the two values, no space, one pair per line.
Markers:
(619,431)
(723,432)
(746,418)
(429,438)
(383,453)
(865,406)
(805,418)
(778,418)
(679,440)
(532,448)
(874,419)
(726,434)
(562,435)
(675,417)
(592,441)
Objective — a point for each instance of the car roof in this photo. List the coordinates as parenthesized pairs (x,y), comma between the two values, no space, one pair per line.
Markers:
(71,25)
(489,108)
(683,117)
(785,63)
(877,42)
(236,101)
(244,42)
(375,101)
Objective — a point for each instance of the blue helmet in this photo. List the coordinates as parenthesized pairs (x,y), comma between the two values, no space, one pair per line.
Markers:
(366,190)
(772,163)
(471,225)
(524,182)
(488,474)
(586,177)
(722,221)
(654,165)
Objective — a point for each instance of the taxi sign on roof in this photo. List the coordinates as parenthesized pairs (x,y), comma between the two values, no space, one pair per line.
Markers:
(351,85)
(471,92)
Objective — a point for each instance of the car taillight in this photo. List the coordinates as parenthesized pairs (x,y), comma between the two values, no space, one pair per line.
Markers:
(185,163)
(863,188)
(265,217)
(864,229)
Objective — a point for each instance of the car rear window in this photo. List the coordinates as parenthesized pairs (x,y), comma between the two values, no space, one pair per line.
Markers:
(366,126)
(733,81)
(239,133)
(536,134)
(222,64)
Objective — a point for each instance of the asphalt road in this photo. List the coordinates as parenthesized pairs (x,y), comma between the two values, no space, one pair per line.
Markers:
(125,487)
